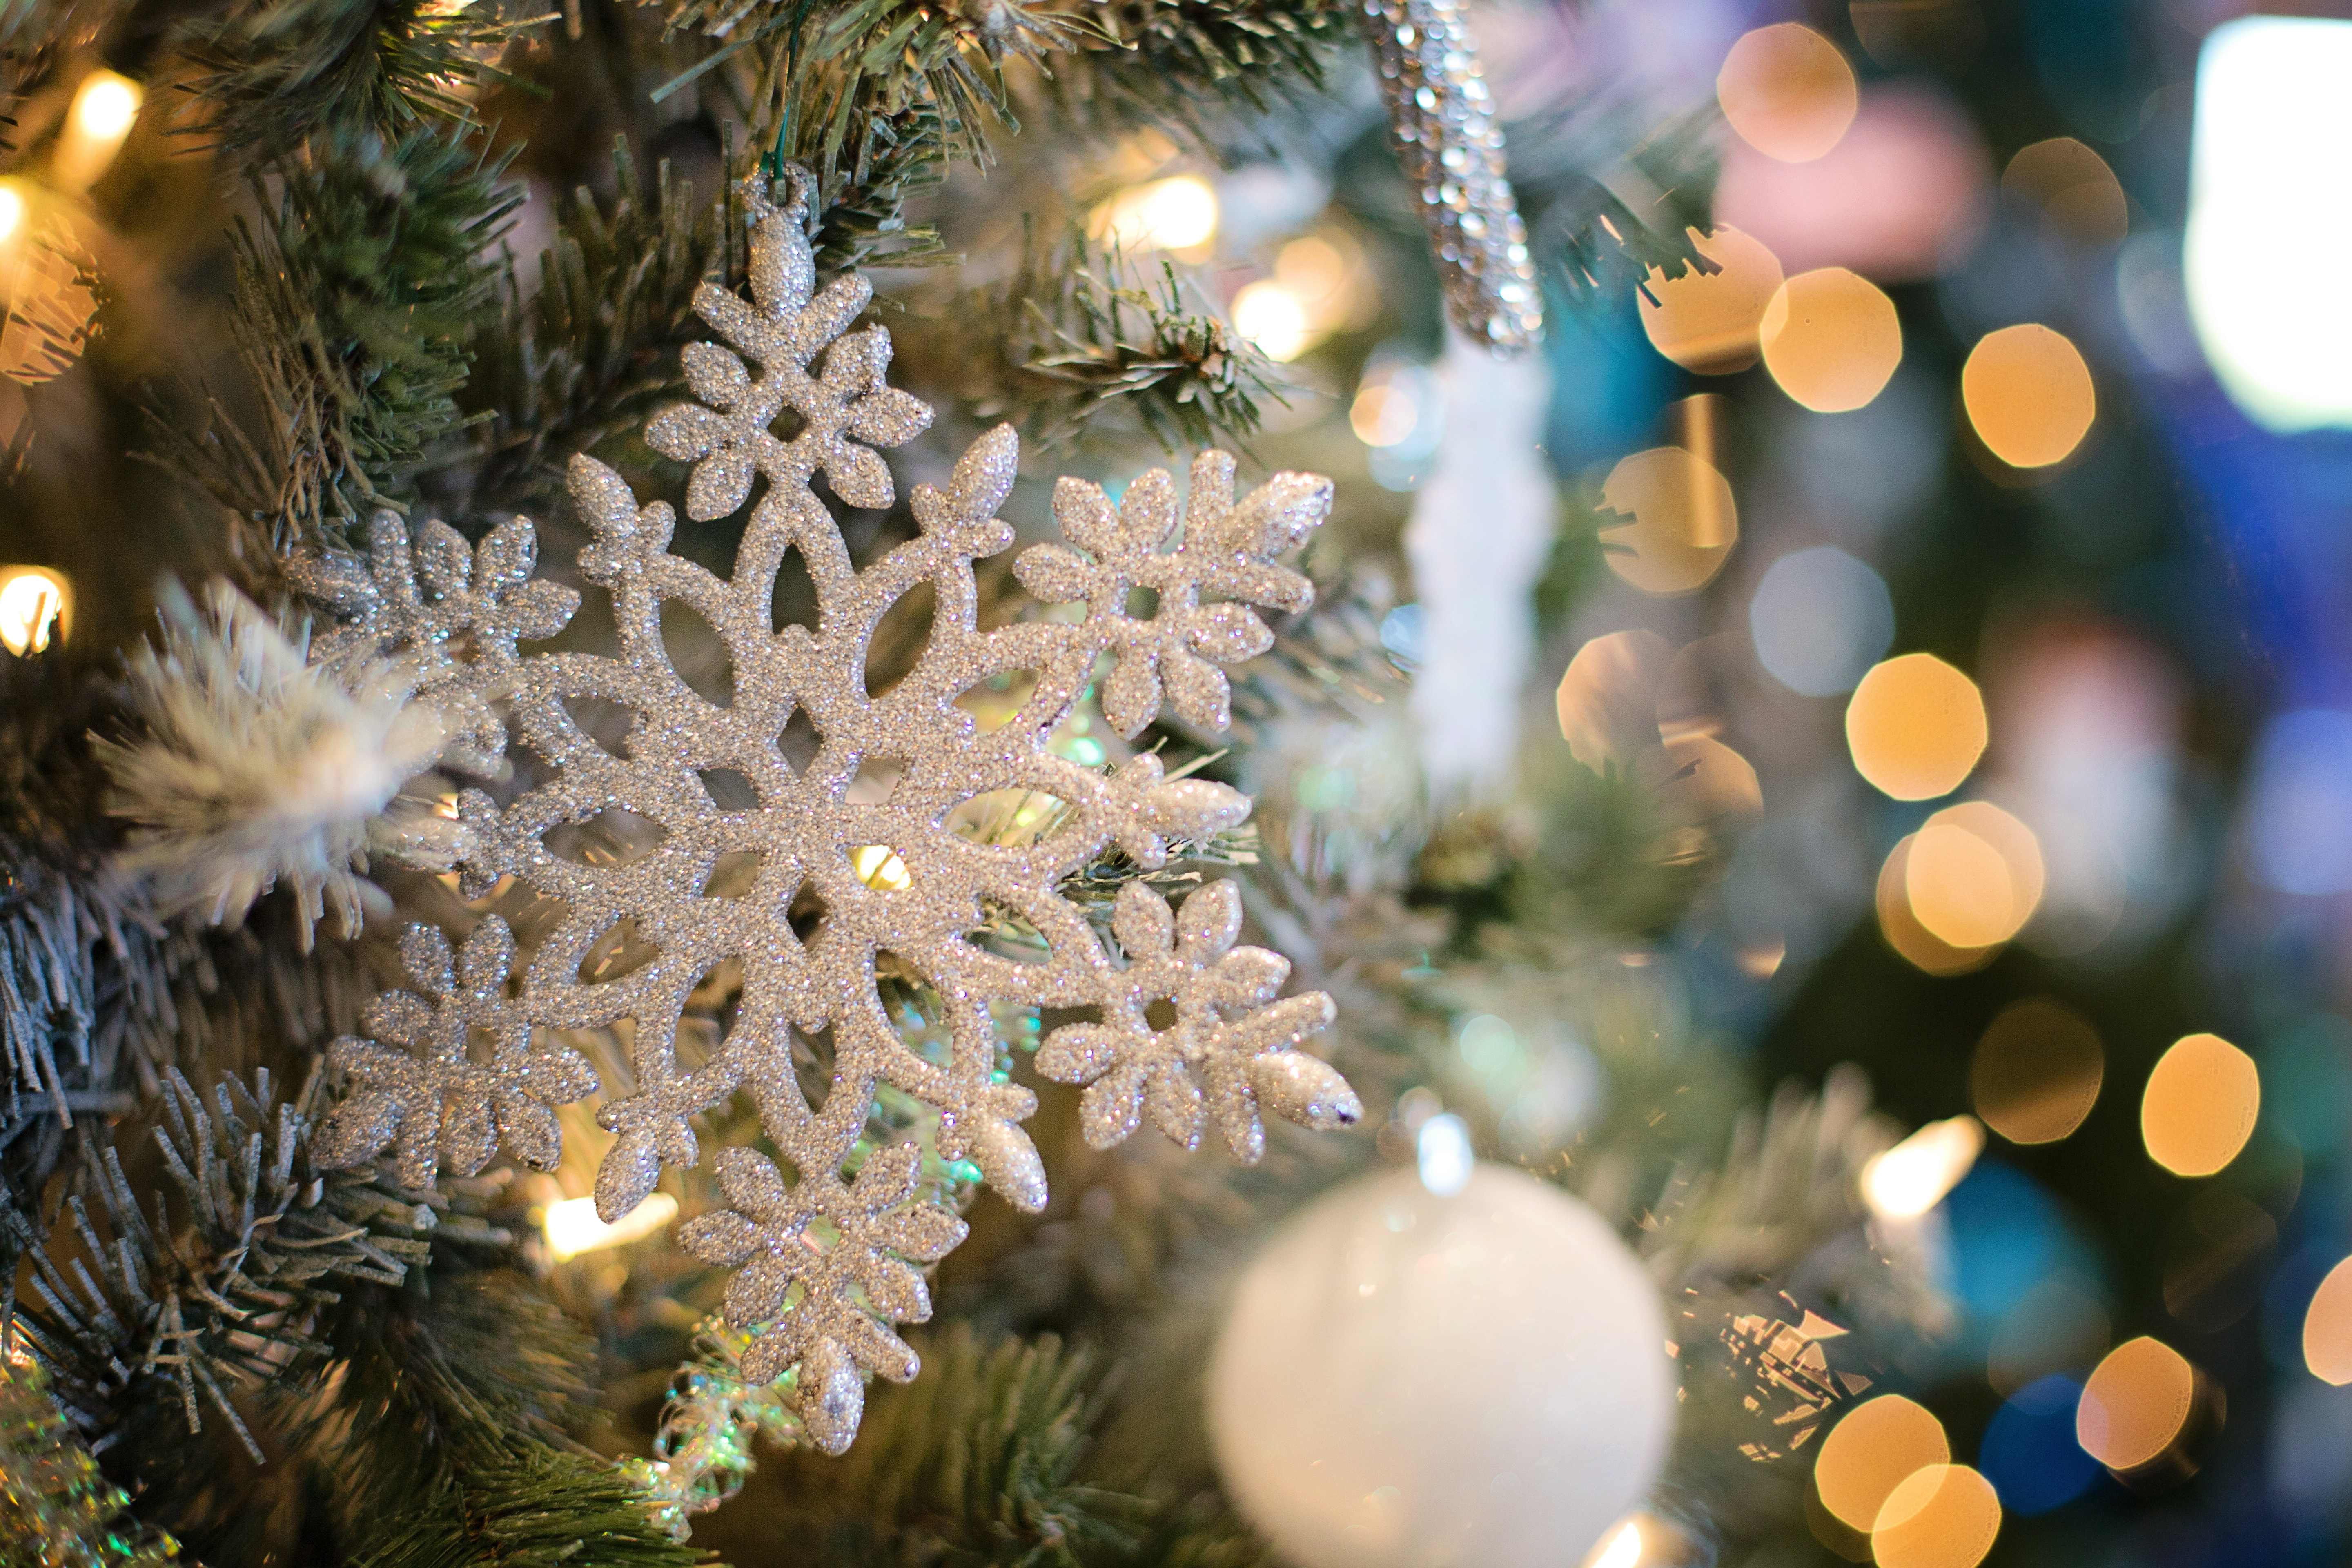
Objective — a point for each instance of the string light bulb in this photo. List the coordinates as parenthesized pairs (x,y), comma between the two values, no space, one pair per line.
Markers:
(1272,318)
(571,1226)
(1911,1178)
(1624,1549)
(1179,215)
(105,107)
(35,609)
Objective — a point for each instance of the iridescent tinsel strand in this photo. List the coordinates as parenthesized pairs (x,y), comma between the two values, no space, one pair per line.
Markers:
(1442,123)
(702,1453)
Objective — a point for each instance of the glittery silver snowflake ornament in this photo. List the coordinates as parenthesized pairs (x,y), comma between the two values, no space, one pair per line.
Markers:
(470,1062)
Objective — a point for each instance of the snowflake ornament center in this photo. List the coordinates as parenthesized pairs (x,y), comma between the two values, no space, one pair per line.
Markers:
(471,1061)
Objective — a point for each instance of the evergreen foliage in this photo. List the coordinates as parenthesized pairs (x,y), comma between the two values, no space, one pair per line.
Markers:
(332,1369)
(221,1292)
(594,349)
(1081,343)
(355,300)
(978,1461)
(271,76)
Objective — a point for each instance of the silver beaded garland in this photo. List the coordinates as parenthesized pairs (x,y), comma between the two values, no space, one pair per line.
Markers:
(1442,123)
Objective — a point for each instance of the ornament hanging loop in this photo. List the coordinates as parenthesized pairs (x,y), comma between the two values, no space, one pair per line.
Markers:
(1442,125)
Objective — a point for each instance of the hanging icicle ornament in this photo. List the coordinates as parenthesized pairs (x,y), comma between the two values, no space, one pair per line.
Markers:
(1442,124)
(826,901)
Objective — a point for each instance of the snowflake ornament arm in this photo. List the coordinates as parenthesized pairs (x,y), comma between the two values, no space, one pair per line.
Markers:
(469,1064)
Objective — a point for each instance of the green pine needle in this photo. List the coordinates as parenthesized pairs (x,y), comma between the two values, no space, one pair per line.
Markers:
(975,1462)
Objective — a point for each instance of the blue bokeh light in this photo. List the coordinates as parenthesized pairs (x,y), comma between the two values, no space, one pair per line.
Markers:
(2030,1453)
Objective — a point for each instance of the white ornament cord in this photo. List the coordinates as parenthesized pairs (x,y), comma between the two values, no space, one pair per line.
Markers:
(1482,525)
(825,1252)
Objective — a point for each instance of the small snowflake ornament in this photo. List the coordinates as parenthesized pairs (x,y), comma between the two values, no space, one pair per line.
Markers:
(826,1244)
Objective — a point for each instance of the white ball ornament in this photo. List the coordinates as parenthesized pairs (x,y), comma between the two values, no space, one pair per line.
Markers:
(1412,1380)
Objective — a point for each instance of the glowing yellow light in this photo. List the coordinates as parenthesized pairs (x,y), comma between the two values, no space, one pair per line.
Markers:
(105,107)
(1915,727)
(2028,396)
(2136,1404)
(2200,1105)
(1787,92)
(1684,521)
(1958,887)
(1901,929)
(1318,271)
(1878,1444)
(1975,875)
(878,866)
(1269,315)
(1940,1516)
(36,608)
(1911,1178)
(1710,321)
(2328,1328)
(1383,415)
(1179,213)
(1622,1548)
(12,209)
(1831,339)
(571,1226)
(2037,1071)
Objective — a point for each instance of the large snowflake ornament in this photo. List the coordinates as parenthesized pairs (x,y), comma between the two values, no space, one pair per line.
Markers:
(825,1245)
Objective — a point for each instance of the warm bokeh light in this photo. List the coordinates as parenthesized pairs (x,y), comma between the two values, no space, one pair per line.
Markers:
(1269,314)
(2136,1405)
(1313,268)
(1684,521)
(1399,411)
(1608,699)
(1915,727)
(878,866)
(1975,875)
(105,107)
(2273,125)
(2036,1072)
(1942,1516)
(1383,414)
(1178,214)
(1874,1448)
(1830,340)
(2028,396)
(12,209)
(1709,321)
(1700,779)
(1618,1548)
(1914,1176)
(571,1226)
(2078,195)
(1787,92)
(1904,933)
(2328,1328)
(2200,1105)
(36,608)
